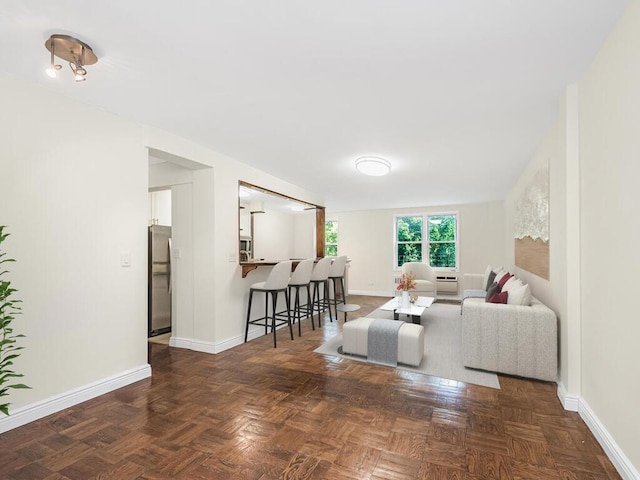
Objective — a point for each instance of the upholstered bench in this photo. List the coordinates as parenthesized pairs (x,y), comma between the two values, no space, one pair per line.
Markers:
(410,340)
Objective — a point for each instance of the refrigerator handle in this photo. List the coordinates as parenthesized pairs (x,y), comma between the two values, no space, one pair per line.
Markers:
(169,268)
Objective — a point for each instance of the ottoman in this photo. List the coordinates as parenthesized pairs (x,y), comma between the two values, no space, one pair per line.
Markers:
(410,340)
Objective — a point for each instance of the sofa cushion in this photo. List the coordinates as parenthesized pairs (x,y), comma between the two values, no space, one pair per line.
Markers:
(520,296)
(502,297)
(492,290)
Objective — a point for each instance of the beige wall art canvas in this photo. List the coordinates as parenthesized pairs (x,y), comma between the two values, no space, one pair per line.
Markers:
(532,225)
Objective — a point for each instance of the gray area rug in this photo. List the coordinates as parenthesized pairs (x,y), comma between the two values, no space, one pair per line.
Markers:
(443,347)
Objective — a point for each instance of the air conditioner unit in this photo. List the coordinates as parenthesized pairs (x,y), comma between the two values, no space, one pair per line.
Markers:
(447,284)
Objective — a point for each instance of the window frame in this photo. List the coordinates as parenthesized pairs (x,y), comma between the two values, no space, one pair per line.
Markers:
(426,242)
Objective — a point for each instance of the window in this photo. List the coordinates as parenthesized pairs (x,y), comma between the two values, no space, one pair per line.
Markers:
(409,240)
(331,238)
(427,236)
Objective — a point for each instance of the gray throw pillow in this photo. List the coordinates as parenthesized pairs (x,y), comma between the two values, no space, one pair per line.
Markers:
(490,279)
(492,290)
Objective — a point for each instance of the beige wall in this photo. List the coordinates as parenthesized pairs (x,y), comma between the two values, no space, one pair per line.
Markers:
(367,237)
(610,173)
(74,195)
(595,232)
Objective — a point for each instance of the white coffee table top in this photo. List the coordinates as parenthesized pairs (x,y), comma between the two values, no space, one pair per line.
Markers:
(416,308)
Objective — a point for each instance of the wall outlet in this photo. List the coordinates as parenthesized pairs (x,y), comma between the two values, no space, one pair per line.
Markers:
(233,257)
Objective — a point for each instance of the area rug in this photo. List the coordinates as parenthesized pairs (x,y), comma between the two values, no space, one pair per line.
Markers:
(443,347)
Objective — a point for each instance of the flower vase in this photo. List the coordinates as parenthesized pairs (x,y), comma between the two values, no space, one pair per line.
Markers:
(405,301)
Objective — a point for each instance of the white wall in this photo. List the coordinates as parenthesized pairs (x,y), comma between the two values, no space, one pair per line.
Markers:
(367,237)
(610,172)
(160,207)
(304,245)
(73,193)
(594,236)
(220,292)
(273,235)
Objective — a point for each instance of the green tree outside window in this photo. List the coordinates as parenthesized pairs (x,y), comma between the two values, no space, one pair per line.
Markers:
(331,238)
(409,240)
(442,241)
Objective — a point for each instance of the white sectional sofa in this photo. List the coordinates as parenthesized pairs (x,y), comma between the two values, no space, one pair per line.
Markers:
(513,339)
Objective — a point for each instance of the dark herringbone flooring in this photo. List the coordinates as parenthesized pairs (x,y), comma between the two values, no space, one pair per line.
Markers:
(255,412)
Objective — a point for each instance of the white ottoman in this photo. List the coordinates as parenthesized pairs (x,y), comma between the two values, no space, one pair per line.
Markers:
(410,340)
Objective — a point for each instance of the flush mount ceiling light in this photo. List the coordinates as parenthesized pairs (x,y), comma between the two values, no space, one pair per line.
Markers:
(374,166)
(74,51)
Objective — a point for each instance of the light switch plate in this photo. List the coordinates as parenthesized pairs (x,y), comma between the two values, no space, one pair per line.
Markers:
(125,259)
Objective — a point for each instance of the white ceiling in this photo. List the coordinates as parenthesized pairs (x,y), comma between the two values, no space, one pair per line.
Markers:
(457,94)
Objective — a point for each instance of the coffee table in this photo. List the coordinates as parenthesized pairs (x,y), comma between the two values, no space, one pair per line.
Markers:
(414,311)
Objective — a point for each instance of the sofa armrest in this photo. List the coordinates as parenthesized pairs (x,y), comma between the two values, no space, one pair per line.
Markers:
(473,281)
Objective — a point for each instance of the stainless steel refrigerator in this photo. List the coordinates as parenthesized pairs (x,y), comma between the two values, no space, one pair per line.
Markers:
(159,280)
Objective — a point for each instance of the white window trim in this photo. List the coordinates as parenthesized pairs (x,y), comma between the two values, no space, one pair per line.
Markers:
(425,237)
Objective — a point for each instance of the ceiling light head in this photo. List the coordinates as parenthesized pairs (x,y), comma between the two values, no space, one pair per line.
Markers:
(52,70)
(373,166)
(74,51)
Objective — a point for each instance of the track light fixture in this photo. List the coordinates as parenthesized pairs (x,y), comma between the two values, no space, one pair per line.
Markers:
(74,51)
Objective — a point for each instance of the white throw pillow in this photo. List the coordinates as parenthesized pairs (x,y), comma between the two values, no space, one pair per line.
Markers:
(499,273)
(511,284)
(520,296)
(485,278)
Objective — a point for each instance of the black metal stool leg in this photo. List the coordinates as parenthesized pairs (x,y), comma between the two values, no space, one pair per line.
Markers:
(296,309)
(327,301)
(246,332)
(274,296)
(286,297)
(266,313)
(309,311)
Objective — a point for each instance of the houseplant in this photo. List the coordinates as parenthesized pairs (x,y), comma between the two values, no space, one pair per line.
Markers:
(8,347)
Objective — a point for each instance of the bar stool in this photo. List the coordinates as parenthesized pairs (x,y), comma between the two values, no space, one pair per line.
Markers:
(277,281)
(301,278)
(336,275)
(320,276)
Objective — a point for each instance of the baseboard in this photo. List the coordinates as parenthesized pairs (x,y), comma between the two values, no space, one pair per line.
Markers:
(191,344)
(38,410)
(616,455)
(369,293)
(210,347)
(569,402)
(575,403)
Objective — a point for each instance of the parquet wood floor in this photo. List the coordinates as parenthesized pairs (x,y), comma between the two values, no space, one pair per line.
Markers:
(255,412)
